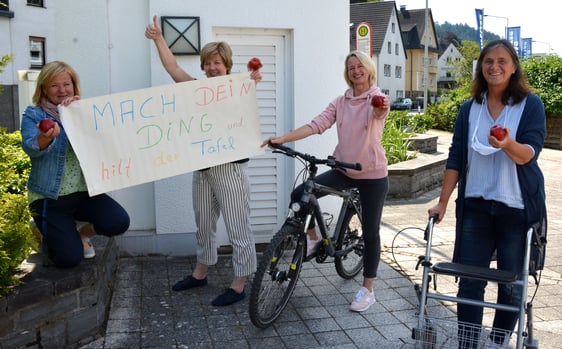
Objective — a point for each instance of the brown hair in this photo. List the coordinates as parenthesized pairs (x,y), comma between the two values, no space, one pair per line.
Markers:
(222,49)
(48,74)
(518,87)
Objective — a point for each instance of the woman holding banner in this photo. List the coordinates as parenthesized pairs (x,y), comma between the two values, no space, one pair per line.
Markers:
(219,189)
(58,196)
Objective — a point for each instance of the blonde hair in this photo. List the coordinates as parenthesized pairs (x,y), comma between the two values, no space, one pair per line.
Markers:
(48,74)
(218,47)
(366,62)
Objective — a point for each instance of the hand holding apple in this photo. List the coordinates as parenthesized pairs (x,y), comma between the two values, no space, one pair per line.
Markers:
(377,101)
(498,131)
(254,64)
(46,124)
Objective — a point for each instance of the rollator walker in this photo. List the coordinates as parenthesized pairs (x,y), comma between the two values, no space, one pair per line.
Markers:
(438,332)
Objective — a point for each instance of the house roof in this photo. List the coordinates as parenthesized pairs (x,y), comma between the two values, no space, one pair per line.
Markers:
(413,26)
(377,14)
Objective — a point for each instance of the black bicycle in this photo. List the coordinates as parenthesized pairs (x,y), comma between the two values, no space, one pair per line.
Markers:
(280,265)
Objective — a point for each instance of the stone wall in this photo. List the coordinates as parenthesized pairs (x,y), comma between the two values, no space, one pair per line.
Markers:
(412,178)
(60,308)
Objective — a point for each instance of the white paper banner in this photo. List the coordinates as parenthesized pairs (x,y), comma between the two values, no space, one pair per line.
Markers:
(130,138)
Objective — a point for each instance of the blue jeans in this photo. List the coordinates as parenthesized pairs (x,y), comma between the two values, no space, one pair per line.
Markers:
(490,226)
(56,219)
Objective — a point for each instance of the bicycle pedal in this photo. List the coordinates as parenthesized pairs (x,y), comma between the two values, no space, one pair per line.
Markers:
(321,256)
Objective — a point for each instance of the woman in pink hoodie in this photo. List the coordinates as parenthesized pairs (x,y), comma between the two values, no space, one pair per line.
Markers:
(359,128)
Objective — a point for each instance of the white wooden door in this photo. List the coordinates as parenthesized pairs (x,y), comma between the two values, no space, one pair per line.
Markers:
(270,174)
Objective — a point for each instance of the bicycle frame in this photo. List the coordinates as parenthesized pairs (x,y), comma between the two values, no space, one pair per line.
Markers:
(309,201)
(280,265)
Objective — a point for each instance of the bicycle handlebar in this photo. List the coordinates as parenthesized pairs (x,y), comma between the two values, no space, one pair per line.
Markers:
(330,161)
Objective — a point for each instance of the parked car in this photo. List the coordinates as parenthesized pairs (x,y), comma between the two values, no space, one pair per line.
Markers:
(418,103)
(401,104)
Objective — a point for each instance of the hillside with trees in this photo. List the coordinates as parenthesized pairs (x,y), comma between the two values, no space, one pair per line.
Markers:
(457,33)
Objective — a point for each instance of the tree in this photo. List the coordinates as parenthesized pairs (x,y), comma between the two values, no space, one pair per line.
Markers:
(4,61)
(470,51)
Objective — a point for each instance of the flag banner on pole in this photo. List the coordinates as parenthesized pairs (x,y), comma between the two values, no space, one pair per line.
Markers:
(480,26)
(526,47)
(514,36)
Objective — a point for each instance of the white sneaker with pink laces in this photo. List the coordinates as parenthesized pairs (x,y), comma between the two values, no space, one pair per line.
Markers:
(363,300)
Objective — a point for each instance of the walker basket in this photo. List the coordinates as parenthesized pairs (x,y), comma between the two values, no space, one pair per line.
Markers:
(440,333)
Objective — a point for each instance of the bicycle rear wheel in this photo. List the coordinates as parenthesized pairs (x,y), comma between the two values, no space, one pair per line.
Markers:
(349,247)
(276,276)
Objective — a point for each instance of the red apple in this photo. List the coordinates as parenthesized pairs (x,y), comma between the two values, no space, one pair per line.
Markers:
(46,124)
(254,64)
(498,131)
(377,101)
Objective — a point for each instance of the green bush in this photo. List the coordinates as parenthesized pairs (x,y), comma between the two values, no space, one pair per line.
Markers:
(445,112)
(410,122)
(395,144)
(16,238)
(545,76)
(398,128)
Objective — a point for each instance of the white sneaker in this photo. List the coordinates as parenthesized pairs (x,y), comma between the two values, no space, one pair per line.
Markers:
(363,300)
(311,245)
(89,251)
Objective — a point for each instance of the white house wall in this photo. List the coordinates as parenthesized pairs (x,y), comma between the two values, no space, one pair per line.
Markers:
(14,37)
(105,41)
(392,83)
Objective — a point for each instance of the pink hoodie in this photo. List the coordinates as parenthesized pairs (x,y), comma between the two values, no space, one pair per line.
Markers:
(359,133)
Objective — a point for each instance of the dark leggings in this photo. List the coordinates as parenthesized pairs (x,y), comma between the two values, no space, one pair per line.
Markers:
(56,219)
(372,194)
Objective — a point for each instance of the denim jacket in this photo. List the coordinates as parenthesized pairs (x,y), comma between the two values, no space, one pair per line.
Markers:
(47,165)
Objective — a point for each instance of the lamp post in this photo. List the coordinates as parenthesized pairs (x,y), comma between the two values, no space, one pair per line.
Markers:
(425,85)
(506,22)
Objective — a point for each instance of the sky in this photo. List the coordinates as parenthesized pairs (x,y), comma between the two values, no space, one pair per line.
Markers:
(538,19)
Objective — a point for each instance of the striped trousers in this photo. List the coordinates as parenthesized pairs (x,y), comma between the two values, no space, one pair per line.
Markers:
(224,189)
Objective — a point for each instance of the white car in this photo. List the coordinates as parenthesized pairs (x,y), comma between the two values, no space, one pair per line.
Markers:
(401,104)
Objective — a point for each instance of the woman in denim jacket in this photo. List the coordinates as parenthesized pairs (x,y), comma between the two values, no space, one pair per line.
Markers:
(57,192)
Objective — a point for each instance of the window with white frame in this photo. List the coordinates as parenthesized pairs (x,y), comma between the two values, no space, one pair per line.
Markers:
(387,70)
(36,52)
(389,47)
(398,72)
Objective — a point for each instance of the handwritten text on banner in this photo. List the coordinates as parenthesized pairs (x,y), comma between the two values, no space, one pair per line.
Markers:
(130,138)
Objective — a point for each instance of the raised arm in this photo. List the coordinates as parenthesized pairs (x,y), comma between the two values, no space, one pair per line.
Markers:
(154,33)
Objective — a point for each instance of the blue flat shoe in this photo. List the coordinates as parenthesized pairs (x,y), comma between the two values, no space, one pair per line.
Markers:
(189,282)
(228,298)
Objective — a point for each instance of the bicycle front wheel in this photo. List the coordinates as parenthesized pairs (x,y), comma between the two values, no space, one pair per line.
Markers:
(276,276)
(350,245)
